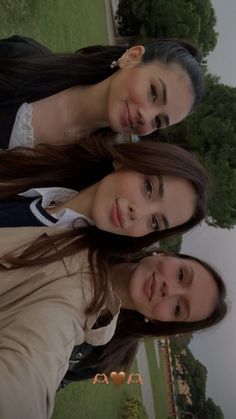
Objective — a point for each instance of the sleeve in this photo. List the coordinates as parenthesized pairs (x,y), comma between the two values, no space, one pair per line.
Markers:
(12,48)
(34,351)
(20,47)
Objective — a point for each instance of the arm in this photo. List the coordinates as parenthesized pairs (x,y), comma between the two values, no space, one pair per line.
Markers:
(34,351)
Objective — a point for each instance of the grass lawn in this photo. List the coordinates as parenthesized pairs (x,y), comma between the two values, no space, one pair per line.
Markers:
(157,381)
(62,25)
(85,400)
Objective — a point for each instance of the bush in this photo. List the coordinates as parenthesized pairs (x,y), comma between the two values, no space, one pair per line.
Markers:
(133,408)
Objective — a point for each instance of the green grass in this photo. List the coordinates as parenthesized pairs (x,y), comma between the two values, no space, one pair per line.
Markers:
(157,381)
(87,400)
(62,25)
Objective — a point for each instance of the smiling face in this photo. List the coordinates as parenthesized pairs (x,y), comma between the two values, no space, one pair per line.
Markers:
(168,288)
(132,204)
(147,96)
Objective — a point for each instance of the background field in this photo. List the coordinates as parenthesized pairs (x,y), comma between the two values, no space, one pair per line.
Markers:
(62,25)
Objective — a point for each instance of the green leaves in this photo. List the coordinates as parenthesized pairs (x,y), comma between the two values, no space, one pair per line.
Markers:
(210,132)
(194,20)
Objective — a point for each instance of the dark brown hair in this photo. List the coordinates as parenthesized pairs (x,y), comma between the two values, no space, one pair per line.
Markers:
(131,328)
(79,166)
(118,354)
(35,77)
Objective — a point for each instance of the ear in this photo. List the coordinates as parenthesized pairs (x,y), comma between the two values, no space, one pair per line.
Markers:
(117,165)
(132,56)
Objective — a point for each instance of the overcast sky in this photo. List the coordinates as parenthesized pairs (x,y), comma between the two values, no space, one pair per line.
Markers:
(216,348)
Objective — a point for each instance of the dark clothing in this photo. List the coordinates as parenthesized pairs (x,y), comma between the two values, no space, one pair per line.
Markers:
(18,213)
(84,357)
(14,47)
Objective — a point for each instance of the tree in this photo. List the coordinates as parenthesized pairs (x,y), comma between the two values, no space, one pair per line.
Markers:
(194,374)
(212,411)
(189,19)
(172,244)
(210,133)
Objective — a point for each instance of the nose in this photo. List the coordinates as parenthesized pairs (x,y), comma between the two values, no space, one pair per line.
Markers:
(163,289)
(146,116)
(170,288)
(132,213)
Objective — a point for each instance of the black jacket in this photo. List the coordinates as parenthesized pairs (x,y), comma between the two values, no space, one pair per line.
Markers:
(14,47)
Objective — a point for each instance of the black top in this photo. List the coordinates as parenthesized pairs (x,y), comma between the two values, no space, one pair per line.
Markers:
(14,47)
(24,212)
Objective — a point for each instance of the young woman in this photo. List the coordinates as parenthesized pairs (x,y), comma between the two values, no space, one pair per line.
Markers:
(147,190)
(50,302)
(57,98)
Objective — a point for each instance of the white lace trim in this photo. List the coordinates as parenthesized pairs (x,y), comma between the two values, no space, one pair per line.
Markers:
(22,131)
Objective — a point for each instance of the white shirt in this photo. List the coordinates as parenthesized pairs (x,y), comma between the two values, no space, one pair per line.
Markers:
(54,196)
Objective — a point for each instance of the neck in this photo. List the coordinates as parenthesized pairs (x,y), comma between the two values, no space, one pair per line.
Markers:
(81,202)
(120,275)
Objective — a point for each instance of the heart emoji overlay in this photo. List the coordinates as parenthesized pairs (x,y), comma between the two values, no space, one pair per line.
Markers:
(118,378)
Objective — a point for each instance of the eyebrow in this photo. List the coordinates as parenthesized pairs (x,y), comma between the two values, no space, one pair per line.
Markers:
(161,192)
(187,311)
(164,98)
(190,281)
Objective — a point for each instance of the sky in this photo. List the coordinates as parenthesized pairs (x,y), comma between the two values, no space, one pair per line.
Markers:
(216,348)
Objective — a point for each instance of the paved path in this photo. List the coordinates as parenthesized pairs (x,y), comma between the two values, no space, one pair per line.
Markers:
(146,387)
(111,7)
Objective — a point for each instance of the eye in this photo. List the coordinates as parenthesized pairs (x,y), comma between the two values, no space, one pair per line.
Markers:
(148,188)
(180,275)
(157,122)
(154,93)
(155,223)
(177,309)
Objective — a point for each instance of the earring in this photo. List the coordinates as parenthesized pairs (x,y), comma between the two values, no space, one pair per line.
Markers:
(146,319)
(113,64)
(154,253)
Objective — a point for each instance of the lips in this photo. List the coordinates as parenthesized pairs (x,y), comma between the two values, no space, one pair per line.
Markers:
(126,117)
(130,117)
(116,215)
(149,287)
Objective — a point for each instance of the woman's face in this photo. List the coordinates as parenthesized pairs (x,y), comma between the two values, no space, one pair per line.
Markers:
(168,288)
(145,97)
(132,204)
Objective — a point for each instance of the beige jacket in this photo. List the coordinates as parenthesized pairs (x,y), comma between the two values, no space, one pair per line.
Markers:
(41,319)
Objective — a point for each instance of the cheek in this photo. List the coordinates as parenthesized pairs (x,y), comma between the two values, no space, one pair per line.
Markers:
(137,88)
(164,312)
(140,229)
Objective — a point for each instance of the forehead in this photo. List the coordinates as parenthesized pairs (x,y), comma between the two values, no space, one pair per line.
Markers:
(174,69)
(204,292)
(179,200)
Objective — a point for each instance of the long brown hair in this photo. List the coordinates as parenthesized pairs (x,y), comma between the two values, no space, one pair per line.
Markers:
(78,166)
(119,353)
(32,78)
(131,328)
